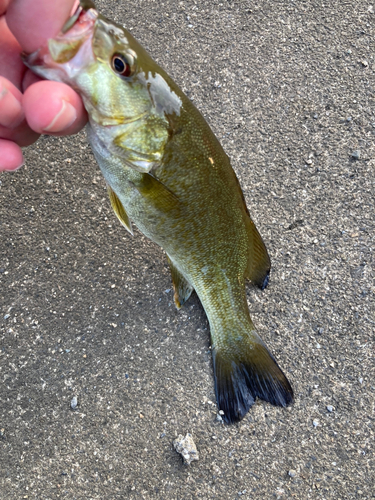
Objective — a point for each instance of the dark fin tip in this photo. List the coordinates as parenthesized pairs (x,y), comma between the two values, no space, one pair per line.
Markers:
(258,263)
(238,382)
(261,280)
(266,280)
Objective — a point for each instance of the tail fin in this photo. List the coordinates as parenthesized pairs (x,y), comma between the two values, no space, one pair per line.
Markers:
(244,371)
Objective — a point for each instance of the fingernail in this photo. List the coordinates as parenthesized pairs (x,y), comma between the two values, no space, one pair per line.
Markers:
(64,118)
(11,110)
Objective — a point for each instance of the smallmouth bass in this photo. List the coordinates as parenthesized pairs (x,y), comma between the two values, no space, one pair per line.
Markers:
(167,174)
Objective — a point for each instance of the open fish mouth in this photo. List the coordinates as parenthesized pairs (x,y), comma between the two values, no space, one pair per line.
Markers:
(60,52)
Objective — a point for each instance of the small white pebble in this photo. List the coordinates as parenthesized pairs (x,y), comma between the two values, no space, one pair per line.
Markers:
(186,447)
(330,408)
(315,423)
(74,403)
(292,473)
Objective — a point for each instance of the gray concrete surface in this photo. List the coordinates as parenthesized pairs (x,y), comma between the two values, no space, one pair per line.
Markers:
(87,310)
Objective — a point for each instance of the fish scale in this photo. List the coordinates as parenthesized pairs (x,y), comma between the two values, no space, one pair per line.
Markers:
(168,174)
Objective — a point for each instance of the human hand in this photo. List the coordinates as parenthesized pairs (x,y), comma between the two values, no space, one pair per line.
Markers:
(30,106)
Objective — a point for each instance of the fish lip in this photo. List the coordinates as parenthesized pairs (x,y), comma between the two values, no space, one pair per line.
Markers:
(83,6)
(31,59)
(72,20)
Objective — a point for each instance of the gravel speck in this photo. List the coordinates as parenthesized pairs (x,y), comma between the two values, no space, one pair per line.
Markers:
(292,473)
(74,403)
(330,408)
(315,423)
(356,154)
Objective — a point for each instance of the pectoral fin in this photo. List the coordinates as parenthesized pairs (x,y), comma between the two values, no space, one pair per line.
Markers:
(119,210)
(159,195)
(258,264)
(182,288)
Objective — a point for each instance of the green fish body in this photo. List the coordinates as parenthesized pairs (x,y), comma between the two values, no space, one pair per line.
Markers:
(167,174)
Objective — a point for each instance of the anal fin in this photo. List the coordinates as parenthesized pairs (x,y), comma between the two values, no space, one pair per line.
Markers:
(119,210)
(182,288)
(258,264)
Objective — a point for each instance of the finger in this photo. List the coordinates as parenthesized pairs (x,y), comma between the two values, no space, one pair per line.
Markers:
(29,79)
(11,112)
(11,66)
(34,21)
(3,6)
(13,125)
(53,108)
(11,157)
(21,135)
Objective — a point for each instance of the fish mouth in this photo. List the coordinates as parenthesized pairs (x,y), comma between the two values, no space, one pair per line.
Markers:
(58,53)
(70,58)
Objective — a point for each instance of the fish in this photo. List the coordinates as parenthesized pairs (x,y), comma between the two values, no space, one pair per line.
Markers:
(168,175)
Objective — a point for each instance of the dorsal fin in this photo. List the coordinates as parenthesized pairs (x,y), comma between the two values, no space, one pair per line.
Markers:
(258,261)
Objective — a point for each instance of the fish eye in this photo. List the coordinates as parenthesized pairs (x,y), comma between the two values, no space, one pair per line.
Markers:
(122,65)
